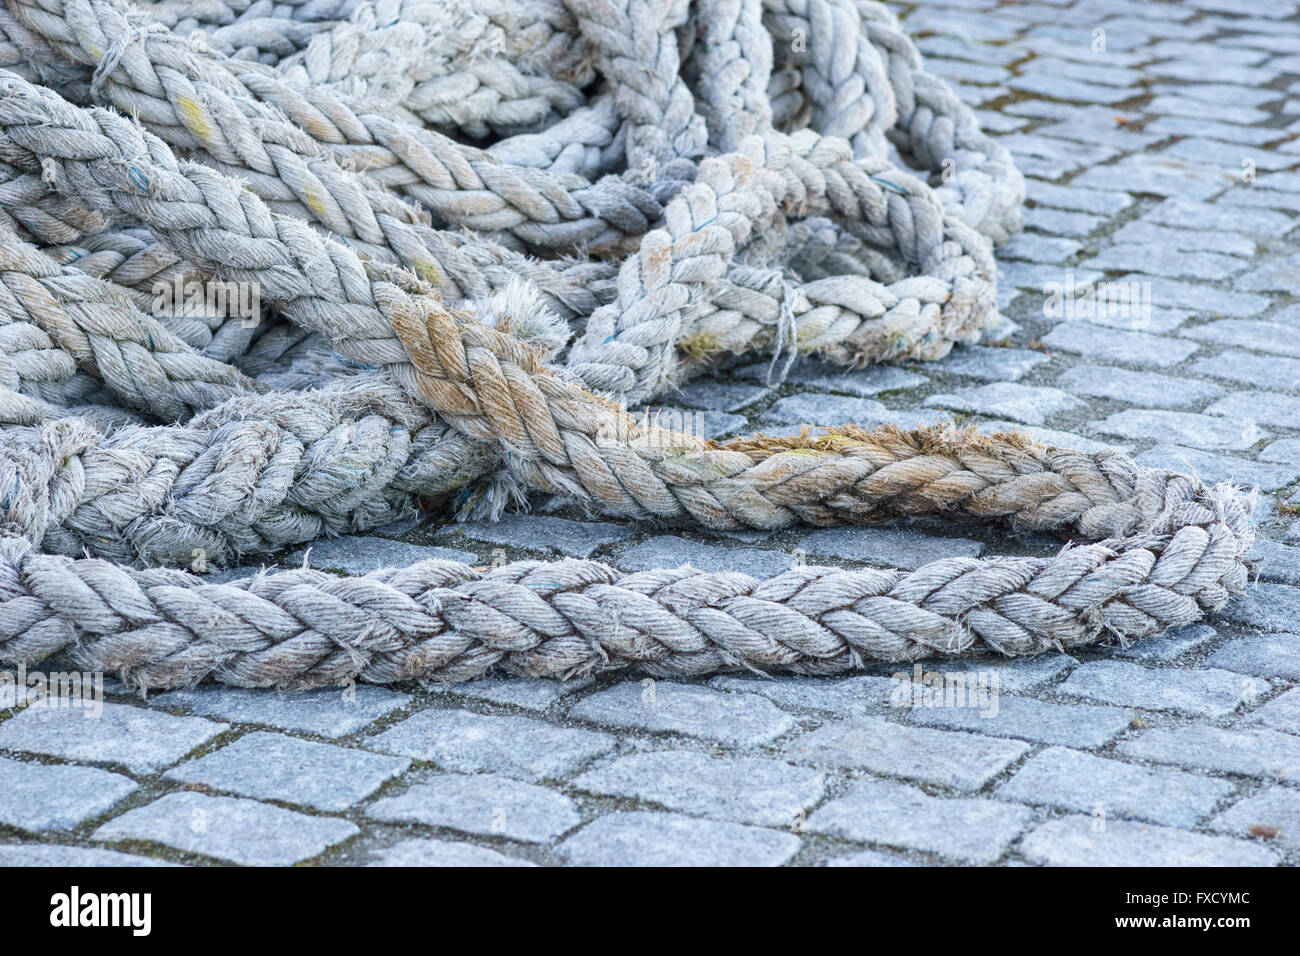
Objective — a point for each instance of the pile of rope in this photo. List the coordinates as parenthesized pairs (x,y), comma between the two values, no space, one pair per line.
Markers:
(477,233)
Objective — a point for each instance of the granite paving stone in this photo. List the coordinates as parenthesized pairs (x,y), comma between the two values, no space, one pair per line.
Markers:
(1079,841)
(664,839)
(1030,404)
(139,739)
(1250,752)
(229,828)
(482,804)
(331,712)
(660,706)
(1149,389)
(1265,655)
(271,766)
(972,830)
(422,853)
(1280,713)
(1028,719)
(887,547)
(1205,692)
(577,539)
(54,854)
(361,554)
(742,790)
(1096,785)
(955,759)
(38,797)
(466,742)
(1273,814)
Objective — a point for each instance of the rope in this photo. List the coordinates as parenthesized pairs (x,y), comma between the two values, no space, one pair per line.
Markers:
(721,191)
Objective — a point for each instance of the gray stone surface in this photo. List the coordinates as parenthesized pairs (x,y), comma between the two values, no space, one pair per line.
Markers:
(742,790)
(971,830)
(1280,713)
(474,743)
(441,853)
(275,767)
(325,713)
(1151,389)
(1272,815)
(886,547)
(482,804)
(665,839)
(1269,607)
(1198,431)
(670,551)
(848,696)
(656,706)
(1249,751)
(533,694)
(361,554)
(1266,655)
(54,854)
(1030,404)
(1028,719)
(139,739)
(1077,841)
(39,797)
(955,759)
(1117,345)
(1079,781)
(229,828)
(544,533)
(1170,645)
(1206,692)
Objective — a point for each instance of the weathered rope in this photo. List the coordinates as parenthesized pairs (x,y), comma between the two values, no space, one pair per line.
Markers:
(747,182)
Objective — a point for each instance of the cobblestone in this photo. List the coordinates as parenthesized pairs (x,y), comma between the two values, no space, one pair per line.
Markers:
(577,539)
(1077,841)
(665,839)
(1118,345)
(482,804)
(1094,785)
(1029,719)
(326,713)
(229,828)
(421,853)
(474,743)
(1201,692)
(886,547)
(1252,753)
(1273,815)
(953,759)
(742,790)
(141,740)
(655,706)
(1030,404)
(972,830)
(274,767)
(1138,388)
(39,797)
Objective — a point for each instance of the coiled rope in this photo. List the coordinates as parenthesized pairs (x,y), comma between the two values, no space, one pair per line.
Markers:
(479,233)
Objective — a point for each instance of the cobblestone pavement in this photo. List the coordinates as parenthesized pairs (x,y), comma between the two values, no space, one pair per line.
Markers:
(1162,152)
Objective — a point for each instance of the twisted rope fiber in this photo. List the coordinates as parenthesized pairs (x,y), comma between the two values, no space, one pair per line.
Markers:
(853,319)
(450,399)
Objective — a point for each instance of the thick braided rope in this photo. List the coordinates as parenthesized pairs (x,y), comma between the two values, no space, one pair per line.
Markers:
(198,99)
(445,621)
(143,364)
(242,480)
